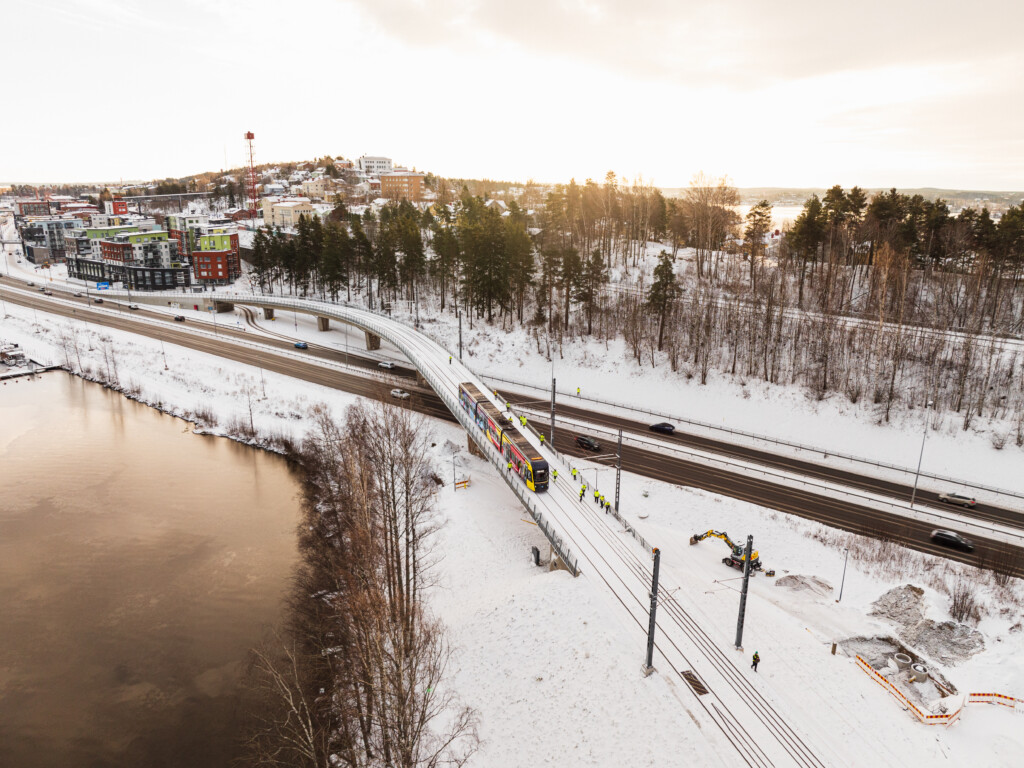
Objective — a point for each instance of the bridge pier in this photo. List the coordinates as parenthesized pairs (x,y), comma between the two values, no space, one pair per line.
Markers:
(223,306)
(372,341)
(420,380)
(555,562)
(323,323)
(268,313)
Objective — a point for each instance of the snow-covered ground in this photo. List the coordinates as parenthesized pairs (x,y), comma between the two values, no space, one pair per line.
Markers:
(607,371)
(551,662)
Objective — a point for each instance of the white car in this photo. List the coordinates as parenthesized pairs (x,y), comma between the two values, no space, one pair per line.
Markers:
(401,394)
(387,365)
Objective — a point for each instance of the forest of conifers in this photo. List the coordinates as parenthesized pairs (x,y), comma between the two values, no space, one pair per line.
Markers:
(889,297)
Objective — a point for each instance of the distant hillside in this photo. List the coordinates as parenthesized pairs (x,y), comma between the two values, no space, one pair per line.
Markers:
(797,195)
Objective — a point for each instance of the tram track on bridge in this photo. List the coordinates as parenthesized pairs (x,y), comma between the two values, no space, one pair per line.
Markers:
(627,556)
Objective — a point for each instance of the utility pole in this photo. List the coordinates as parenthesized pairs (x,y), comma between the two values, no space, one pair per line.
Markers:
(618,471)
(920,457)
(743,593)
(460,335)
(552,411)
(648,668)
(843,582)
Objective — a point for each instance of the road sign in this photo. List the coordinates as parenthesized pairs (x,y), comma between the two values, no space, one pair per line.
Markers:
(102,286)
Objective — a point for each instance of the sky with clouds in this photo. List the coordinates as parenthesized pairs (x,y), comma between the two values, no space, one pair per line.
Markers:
(792,93)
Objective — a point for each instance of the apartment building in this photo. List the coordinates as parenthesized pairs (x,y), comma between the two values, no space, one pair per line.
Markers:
(374,166)
(284,212)
(399,185)
(215,257)
(142,261)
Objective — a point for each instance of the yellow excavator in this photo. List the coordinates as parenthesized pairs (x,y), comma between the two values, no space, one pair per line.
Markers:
(736,556)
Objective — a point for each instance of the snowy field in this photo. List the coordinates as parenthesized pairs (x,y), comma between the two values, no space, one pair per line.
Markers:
(550,661)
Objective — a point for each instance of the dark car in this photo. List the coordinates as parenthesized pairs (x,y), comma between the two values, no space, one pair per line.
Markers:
(952,539)
(587,443)
(47,292)
(30,284)
(664,427)
(97,300)
(301,345)
(957,498)
(179,318)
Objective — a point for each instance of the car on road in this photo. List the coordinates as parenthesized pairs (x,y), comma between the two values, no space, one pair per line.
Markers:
(78,294)
(42,289)
(959,499)
(301,345)
(179,318)
(97,300)
(387,365)
(133,306)
(587,443)
(47,292)
(30,284)
(663,427)
(401,394)
(952,539)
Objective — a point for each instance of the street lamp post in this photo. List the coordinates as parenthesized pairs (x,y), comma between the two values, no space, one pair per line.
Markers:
(920,457)
(842,583)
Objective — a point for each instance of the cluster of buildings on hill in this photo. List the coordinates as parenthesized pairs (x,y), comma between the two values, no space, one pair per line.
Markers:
(310,192)
(144,253)
(155,251)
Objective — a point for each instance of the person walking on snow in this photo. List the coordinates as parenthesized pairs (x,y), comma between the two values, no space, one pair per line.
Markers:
(574,473)
(554,475)
(577,391)
(542,439)
(756,660)
(449,359)
(597,495)
(583,489)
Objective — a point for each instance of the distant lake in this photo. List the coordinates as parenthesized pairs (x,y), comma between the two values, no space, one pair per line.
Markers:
(781,214)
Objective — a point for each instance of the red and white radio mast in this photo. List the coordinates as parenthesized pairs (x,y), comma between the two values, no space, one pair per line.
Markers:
(250,182)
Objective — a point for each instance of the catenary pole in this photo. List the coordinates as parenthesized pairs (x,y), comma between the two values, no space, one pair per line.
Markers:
(552,410)
(618,471)
(743,593)
(648,664)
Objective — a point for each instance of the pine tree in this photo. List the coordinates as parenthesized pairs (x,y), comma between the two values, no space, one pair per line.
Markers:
(759,224)
(663,293)
(588,289)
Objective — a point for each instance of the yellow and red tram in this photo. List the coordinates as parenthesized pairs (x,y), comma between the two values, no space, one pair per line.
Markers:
(506,437)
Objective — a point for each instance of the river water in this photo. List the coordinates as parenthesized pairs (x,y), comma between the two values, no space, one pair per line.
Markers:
(138,563)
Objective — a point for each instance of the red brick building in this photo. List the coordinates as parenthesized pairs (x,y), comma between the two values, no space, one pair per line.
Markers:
(33,208)
(116,252)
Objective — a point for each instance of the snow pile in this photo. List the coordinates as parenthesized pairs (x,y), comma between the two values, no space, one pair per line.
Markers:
(947,642)
(800,583)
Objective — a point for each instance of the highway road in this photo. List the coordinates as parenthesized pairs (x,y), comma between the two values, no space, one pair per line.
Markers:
(924,498)
(797,501)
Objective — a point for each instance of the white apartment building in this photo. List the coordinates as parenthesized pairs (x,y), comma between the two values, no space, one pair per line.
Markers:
(374,166)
